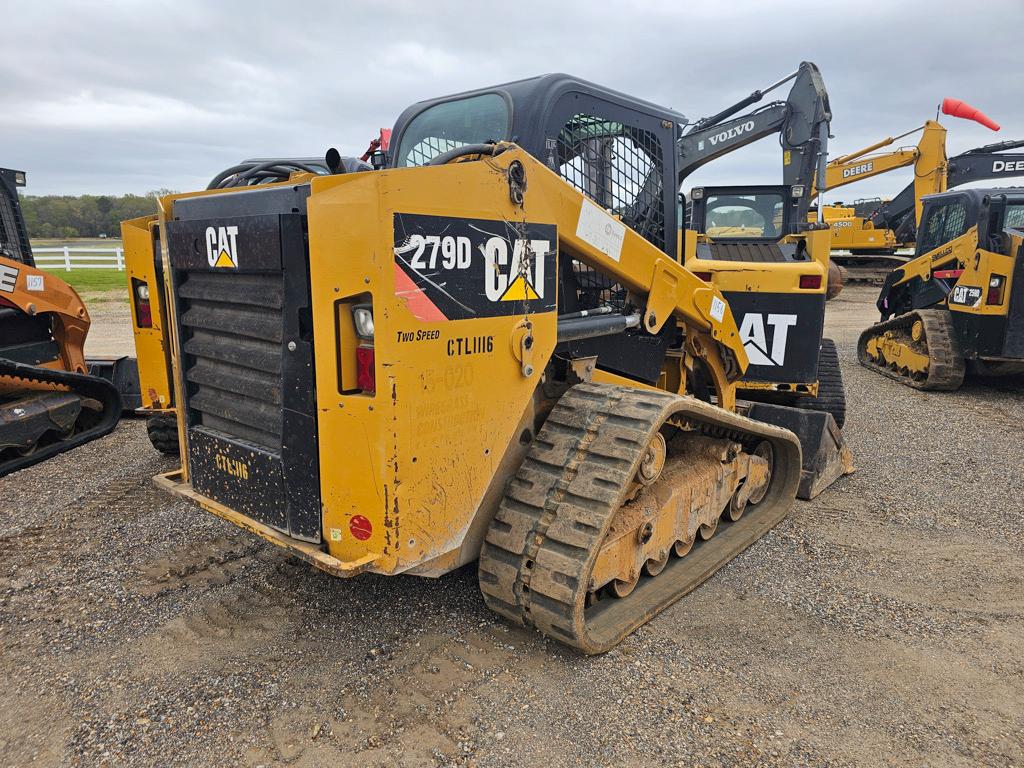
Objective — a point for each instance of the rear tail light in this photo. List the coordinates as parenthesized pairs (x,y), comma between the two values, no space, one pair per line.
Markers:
(705,276)
(366,368)
(366,373)
(810,282)
(996,284)
(140,298)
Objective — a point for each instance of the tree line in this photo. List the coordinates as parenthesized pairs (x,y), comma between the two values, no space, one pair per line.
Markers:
(84,215)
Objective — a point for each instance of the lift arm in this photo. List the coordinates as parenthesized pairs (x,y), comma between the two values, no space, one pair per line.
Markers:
(665,289)
(26,290)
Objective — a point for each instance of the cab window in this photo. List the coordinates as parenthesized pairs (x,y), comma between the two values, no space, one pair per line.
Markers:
(453,124)
(619,167)
(744,216)
(943,223)
(1014,216)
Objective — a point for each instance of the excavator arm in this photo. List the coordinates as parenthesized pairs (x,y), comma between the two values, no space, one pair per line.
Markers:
(991,161)
(802,122)
(928,159)
(988,162)
(855,167)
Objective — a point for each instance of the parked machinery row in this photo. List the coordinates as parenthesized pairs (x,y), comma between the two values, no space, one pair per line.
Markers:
(502,336)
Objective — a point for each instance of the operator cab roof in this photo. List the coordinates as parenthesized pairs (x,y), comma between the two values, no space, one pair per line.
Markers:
(528,103)
(977,196)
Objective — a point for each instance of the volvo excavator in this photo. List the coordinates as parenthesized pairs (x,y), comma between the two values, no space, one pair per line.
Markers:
(755,243)
(957,307)
(486,349)
(49,401)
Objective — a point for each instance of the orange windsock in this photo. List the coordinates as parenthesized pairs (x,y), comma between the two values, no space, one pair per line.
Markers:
(958,108)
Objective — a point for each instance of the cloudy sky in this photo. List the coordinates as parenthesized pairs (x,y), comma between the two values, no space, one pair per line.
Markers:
(119,97)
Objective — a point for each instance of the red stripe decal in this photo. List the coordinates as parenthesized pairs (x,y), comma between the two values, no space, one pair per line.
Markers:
(415,299)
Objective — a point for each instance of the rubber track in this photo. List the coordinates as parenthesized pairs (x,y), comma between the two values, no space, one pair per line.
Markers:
(541,546)
(162,429)
(946,367)
(831,393)
(83,385)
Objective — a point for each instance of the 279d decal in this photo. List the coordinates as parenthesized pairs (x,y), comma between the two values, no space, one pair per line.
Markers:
(449,268)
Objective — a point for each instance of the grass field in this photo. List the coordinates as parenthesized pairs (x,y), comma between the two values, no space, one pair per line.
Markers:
(93,280)
(111,282)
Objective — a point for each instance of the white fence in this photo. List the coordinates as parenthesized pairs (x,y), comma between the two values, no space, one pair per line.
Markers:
(68,258)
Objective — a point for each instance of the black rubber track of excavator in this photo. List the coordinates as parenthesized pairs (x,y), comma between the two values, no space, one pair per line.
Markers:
(83,385)
(541,547)
(946,367)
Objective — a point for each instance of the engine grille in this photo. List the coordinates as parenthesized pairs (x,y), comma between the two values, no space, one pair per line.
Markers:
(231,326)
(753,252)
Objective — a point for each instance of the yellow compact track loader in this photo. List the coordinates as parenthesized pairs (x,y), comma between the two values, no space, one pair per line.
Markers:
(484,350)
(49,401)
(957,307)
(867,235)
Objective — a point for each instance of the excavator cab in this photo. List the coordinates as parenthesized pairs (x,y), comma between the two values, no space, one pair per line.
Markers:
(756,244)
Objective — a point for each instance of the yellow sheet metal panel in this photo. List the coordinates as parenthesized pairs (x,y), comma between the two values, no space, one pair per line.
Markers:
(404,470)
(150,349)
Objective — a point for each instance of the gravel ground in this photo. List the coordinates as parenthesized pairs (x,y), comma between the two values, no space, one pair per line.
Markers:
(111,331)
(879,625)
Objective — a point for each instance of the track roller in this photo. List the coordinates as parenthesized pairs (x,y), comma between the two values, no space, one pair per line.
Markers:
(919,349)
(627,500)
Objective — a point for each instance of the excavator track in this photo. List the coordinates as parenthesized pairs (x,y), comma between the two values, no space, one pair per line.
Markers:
(90,422)
(918,348)
(584,476)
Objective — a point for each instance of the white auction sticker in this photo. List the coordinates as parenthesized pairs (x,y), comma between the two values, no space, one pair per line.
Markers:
(717,308)
(34,282)
(599,229)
